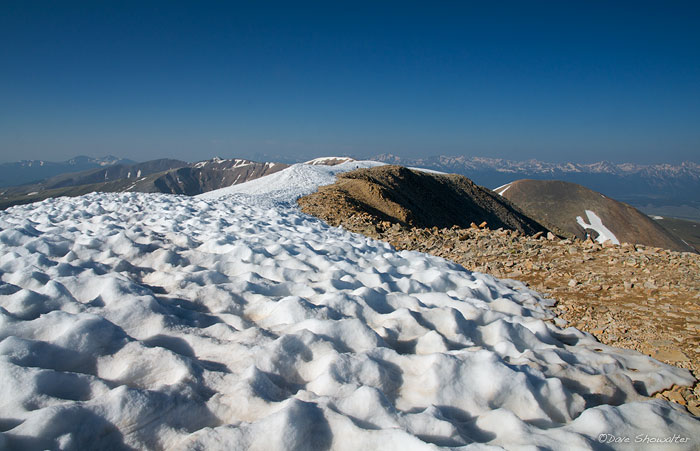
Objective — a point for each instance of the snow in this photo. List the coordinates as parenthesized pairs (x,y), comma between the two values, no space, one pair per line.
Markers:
(604,234)
(329,160)
(502,189)
(287,185)
(427,171)
(237,162)
(241,163)
(290,183)
(234,321)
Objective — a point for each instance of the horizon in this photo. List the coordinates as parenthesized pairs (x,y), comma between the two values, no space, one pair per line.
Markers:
(290,160)
(578,82)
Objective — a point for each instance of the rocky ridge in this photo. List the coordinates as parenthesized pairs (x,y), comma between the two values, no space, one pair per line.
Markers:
(417,198)
(630,296)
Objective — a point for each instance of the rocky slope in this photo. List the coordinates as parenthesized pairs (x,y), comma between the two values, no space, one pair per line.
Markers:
(634,297)
(688,231)
(209,175)
(416,198)
(106,175)
(576,210)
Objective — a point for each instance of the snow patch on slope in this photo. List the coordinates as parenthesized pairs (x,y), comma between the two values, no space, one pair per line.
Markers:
(427,171)
(503,188)
(290,183)
(329,161)
(595,223)
(169,322)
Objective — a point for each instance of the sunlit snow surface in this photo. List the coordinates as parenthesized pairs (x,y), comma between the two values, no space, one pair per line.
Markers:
(166,322)
(604,234)
(288,184)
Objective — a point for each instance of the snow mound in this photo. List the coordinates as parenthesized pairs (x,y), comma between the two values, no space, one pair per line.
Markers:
(331,161)
(289,184)
(166,322)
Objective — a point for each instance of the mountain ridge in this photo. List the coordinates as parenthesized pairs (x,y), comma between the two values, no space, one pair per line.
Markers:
(538,166)
(155,176)
(414,198)
(29,171)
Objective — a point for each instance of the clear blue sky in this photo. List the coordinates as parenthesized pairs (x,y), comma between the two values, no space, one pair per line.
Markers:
(557,80)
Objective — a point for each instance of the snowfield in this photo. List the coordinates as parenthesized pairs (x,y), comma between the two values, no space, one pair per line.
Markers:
(235,322)
(287,185)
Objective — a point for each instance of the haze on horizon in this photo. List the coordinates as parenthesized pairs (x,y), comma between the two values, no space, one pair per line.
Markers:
(554,81)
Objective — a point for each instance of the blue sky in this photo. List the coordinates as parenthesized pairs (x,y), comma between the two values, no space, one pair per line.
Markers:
(555,80)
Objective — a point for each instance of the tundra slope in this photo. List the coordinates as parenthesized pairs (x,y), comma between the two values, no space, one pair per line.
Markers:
(579,211)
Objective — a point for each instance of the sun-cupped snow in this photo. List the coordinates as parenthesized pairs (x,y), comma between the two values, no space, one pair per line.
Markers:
(154,321)
(595,223)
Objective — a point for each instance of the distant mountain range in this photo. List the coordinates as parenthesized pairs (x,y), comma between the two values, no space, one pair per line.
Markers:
(29,171)
(655,171)
(663,189)
(156,176)
(660,189)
